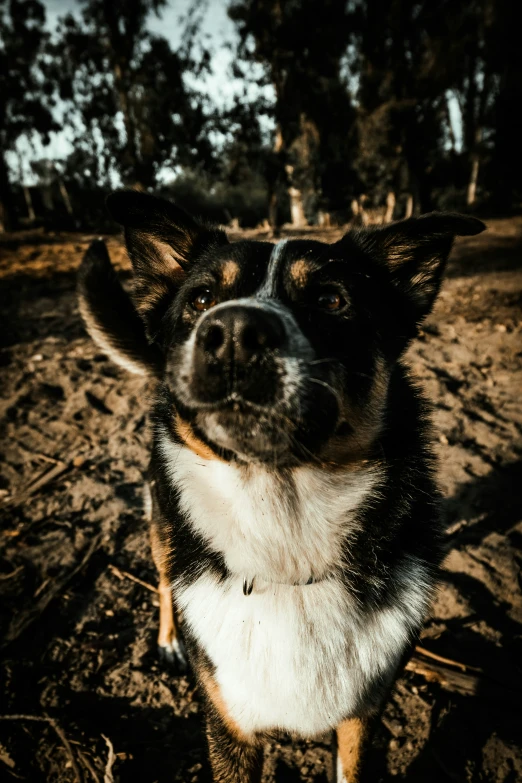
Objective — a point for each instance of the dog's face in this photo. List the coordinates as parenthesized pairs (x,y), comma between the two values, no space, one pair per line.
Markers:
(281,353)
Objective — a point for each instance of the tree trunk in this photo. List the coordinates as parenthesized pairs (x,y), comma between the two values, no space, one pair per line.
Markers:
(272,210)
(29,204)
(390,207)
(128,120)
(7,210)
(451,129)
(296,207)
(507,161)
(477,140)
(65,196)
(472,184)
(324,219)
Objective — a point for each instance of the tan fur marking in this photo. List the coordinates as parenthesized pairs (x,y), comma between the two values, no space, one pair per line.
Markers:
(229,272)
(299,272)
(148,296)
(186,433)
(350,737)
(167,627)
(168,630)
(366,421)
(214,694)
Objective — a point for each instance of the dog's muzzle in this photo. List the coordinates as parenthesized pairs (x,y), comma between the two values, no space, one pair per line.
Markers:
(243,380)
(237,354)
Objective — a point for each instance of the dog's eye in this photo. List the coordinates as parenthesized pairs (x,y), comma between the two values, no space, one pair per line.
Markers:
(330,300)
(204,299)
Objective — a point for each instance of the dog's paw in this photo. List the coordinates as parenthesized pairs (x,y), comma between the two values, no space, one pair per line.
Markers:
(174,655)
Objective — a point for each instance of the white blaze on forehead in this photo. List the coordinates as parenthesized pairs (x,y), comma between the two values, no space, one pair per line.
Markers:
(268,286)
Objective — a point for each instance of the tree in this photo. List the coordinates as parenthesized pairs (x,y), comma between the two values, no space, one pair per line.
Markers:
(25,89)
(128,87)
(506,55)
(471,70)
(302,56)
(401,64)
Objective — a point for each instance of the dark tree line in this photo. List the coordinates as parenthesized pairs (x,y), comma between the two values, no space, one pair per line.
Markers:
(354,107)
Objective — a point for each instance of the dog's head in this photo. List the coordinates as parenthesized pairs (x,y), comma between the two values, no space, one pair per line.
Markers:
(281,353)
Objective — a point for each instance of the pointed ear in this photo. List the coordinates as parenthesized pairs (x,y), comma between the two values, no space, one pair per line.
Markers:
(162,241)
(415,252)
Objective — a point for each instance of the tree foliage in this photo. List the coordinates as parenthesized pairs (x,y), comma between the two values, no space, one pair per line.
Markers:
(127,86)
(341,101)
(25,90)
(302,47)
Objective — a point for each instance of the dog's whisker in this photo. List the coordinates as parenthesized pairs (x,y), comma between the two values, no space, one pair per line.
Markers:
(332,391)
(321,361)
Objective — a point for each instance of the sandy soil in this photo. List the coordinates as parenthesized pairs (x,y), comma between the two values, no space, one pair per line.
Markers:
(78,635)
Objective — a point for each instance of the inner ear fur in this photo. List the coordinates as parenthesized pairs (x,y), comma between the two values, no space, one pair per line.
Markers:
(162,241)
(415,252)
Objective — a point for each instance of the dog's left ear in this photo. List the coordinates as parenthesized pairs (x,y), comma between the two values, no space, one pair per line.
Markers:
(415,252)
(162,241)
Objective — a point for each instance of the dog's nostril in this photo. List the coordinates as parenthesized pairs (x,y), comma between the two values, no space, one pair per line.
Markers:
(214,338)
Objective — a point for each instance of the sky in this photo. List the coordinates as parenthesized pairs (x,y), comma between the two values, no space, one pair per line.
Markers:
(218,31)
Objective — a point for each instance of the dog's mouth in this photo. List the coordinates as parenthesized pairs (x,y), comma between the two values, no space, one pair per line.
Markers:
(285,432)
(250,434)
(236,428)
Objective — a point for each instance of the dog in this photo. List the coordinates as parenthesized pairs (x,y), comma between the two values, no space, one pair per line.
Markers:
(295,512)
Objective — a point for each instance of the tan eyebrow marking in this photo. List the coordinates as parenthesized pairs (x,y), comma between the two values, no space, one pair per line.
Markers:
(299,272)
(229,272)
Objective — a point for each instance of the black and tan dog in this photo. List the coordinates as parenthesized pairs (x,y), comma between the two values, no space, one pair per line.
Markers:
(295,515)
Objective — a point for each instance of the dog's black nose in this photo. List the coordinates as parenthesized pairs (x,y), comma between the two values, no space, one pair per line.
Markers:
(238,334)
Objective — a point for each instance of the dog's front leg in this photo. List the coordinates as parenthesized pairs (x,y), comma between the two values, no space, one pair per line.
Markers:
(235,757)
(170,644)
(351,741)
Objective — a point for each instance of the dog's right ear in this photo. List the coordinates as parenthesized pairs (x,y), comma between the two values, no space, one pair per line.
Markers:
(162,240)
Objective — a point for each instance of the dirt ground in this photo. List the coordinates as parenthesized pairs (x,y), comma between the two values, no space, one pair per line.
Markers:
(79,676)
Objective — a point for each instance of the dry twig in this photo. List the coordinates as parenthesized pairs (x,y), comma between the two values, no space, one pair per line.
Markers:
(44,478)
(108,776)
(488,686)
(59,732)
(19,625)
(462,666)
(125,575)
(87,764)
(5,577)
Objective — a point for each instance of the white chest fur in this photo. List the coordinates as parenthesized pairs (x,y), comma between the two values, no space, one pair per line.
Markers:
(298,657)
(261,527)
(295,658)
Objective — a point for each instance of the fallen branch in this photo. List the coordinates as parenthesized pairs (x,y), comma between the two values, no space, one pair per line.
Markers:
(462,666)
(488,687)
(19,625)
(42,480)
(45,478)
(36,454)
(465,684)
(87,764)
(108,776)
(63,739)
(5,577)
(125,575)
